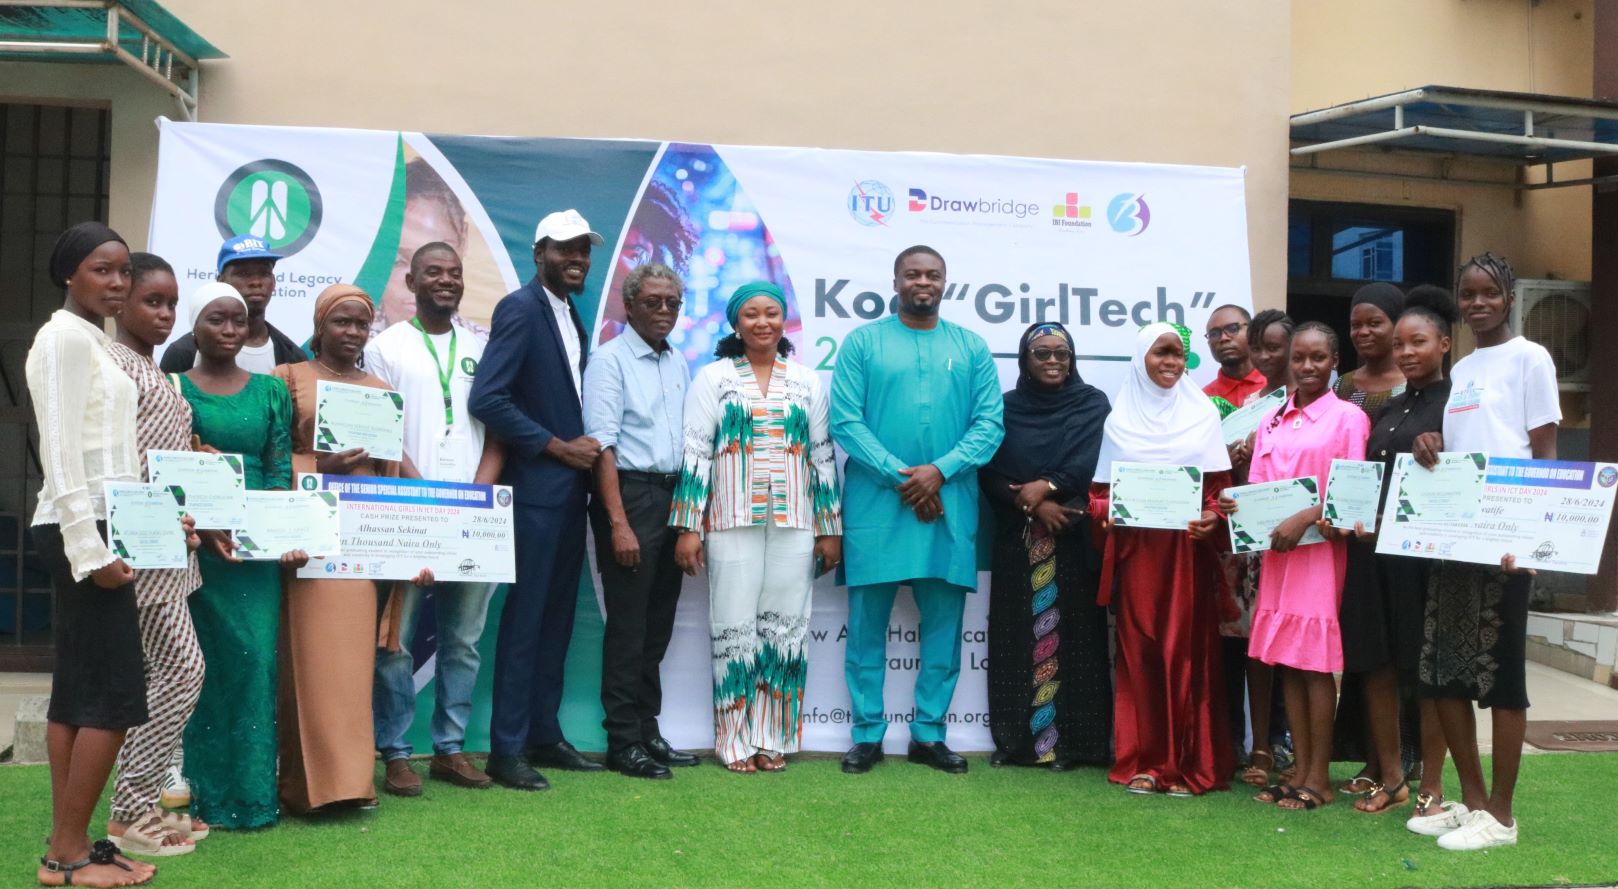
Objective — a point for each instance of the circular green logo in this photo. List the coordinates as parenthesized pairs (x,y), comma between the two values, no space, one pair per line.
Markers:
(270,199)
(469,366)
(308,482)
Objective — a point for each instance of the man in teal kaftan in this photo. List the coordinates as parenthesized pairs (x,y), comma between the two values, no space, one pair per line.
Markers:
(915,403)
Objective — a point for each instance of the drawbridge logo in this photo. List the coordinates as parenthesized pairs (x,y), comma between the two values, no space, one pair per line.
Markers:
(922,202)
(270,199)
(1128,213)
(1070,213)
(870,203)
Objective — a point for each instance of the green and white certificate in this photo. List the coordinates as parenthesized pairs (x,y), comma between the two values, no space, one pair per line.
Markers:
(1261,508)
(143,525)
(1154,495)
(1353,491)
(359,417)
(279,522)
(1449,492)
(1245,420)
(210,487)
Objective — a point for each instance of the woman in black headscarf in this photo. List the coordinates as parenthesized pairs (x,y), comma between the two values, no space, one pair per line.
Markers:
(1050,690)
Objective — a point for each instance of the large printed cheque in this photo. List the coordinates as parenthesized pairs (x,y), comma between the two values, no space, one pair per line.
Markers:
(1551,514)
(394,527)
(359,417)
(1150,495)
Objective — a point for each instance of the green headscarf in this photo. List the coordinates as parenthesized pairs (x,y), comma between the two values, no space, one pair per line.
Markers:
(748,291)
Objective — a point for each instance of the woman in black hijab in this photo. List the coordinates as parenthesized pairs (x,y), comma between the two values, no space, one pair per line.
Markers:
(1050,690)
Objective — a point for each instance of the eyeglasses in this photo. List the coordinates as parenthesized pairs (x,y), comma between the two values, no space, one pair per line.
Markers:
(671,303)
(1227,330)
(1048,354)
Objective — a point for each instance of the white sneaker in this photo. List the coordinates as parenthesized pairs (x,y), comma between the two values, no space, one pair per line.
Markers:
(176,793)
(1481,831)
(1450,818)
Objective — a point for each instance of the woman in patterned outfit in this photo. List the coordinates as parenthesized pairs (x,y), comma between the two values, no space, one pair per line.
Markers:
(173,659)
(1050,682)
(758,478)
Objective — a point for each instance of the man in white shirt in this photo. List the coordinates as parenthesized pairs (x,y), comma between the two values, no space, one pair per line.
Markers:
(432,361)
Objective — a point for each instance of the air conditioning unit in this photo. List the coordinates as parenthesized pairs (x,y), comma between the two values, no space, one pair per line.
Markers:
(1556,315)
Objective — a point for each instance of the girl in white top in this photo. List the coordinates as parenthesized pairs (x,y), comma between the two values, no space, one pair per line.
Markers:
(85,407)
(1503,402)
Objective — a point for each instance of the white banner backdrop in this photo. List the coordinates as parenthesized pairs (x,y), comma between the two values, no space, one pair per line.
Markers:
(1101,247)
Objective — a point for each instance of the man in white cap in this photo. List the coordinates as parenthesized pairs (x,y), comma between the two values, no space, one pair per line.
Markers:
(526,393)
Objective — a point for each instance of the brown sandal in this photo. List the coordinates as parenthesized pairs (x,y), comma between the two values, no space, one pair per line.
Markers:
(766,763)
(1256,775)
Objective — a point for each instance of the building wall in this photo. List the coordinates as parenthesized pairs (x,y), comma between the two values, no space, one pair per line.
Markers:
(1161,81)
(1347,51)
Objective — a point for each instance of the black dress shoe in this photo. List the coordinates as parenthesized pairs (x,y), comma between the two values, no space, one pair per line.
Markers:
(511,771)
(935,755)
(859,758)
(635,762)
(661,751)
(564,756)
(1001,758)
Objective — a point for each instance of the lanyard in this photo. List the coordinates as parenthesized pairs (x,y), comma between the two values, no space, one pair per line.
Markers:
(444,373)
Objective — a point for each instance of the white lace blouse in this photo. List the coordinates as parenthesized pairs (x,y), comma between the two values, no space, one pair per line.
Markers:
(85,406)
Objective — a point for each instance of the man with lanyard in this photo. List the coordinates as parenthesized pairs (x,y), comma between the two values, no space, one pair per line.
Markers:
(432,361)
(527,393)
(634,399)
(246,263)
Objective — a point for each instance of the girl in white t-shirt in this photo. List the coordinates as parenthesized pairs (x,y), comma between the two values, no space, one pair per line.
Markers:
(1503,402)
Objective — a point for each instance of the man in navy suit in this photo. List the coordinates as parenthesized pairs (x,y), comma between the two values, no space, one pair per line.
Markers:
(527,392)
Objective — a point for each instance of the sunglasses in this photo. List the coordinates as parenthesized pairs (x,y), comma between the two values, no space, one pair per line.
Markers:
(1227,330)
(672,303)
(1048,354)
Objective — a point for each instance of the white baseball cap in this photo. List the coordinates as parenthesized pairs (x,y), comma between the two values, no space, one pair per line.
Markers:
(565,225)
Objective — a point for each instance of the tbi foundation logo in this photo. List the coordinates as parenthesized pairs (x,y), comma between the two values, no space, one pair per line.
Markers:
(271,199)
(1070,213)
(870,203)
(1128,213)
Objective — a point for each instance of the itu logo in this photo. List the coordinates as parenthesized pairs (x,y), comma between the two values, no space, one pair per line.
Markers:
(1128,213)
(1071,213)
(271,199)
(870,203)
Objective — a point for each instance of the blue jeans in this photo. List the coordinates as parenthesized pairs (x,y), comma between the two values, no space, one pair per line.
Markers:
(461,609)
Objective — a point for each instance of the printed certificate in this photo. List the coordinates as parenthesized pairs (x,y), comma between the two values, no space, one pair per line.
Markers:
(1551,514)
(359,417)
(1353,491)
(1261,508)
(210,487)
(143,525)
(1449,492)
(1245,420)
(1152,495)
(279,522)
(394,527)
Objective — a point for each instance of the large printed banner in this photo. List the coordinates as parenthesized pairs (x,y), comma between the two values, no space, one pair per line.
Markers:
(1101,247)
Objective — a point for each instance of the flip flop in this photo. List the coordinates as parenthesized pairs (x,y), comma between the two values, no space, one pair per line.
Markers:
(1359,785)
(1308,796)
(1150,788)
(1391,793)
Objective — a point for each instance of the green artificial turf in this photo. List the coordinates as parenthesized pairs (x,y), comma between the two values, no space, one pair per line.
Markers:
(901,825)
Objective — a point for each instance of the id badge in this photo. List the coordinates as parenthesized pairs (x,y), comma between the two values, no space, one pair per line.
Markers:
(450,454)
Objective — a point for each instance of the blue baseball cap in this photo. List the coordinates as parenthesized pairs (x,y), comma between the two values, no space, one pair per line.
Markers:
(245,247)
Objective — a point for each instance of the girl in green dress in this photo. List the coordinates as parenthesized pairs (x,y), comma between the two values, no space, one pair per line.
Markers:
(230,742)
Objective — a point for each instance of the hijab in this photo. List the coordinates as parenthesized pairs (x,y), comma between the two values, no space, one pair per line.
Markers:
(1052,434)
(733,308)
(73,245)
(1151,424)
(210,293)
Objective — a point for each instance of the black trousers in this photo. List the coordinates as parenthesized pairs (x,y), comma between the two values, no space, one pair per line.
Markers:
(640,609)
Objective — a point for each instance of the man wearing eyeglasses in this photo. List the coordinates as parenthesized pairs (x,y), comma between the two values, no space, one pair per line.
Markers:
(1237,379)
(634,393)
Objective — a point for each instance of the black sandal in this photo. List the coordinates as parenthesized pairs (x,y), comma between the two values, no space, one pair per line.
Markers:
(1308,796)
(101,852)
(1275,792)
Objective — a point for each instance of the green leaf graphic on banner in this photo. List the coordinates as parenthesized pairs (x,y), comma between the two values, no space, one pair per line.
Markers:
(373,275)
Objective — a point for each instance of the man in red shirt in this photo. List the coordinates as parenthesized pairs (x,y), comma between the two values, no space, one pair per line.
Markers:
(1237,379)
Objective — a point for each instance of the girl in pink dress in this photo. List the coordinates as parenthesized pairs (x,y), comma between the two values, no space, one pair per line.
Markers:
(1300,587)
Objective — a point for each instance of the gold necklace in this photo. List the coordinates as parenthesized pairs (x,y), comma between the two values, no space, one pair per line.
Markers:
(357,371)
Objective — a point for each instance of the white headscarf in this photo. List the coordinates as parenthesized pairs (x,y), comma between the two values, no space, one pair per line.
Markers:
(208,293)
(1151,424)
